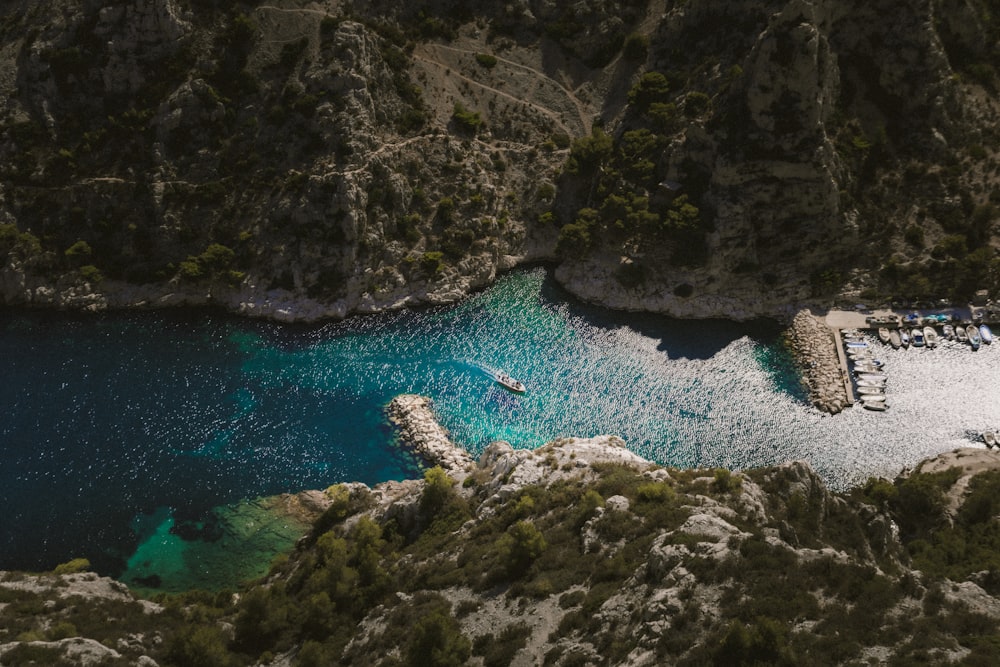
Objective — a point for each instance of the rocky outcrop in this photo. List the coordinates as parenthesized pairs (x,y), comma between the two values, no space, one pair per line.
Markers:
(578,549)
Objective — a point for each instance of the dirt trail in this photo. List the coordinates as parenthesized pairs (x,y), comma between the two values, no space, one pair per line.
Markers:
(581,107)
(553,115)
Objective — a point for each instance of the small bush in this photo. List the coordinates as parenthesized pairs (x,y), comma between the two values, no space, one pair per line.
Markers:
(91,273)
(79,249)
(432,262)
(465,120)
(636,47)
(521,546)
(486,60)
(73,566)
(724,482)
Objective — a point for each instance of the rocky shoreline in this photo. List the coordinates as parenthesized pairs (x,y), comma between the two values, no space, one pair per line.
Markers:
(815,349)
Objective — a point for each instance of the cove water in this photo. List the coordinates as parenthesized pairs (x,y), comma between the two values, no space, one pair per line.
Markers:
(146,442)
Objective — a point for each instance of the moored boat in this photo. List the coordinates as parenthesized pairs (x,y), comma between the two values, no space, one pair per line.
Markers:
(990,438)
(961,335)
(904,338)
(895,340)
(873,402)
(883,334)
(974,339)
(949,332)
(871,391)
(930,336)
(985,334)
(917,337)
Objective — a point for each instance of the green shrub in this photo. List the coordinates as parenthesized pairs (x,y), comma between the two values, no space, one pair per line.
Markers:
(655,492)
(438,490)
(696,104)
(636,47)
(651,87)
(914,235)
(62,630)
(763,643)
(587,154)
(91,273)
(486,60)
(465,120)
(199,646)
(72,566)
(432,262)
(437,641)
(522,544)
(879,492)
(79,249)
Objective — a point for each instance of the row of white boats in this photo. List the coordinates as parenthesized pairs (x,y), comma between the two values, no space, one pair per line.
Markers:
(868,371)
(928,336)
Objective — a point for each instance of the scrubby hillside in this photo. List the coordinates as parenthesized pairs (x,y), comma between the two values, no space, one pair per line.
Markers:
(301,160)
(579,553)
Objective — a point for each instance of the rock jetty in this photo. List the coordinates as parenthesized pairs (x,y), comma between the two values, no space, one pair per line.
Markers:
(815,348)
(419,430)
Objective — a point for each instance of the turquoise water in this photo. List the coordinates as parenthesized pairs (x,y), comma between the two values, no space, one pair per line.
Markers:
(131,439)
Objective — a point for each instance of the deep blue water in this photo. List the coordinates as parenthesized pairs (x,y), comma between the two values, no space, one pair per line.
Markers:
(126,432)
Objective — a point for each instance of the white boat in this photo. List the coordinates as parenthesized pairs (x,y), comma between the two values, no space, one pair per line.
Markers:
(930,336)
(917,337)
(990,438)
(873,376)
(508,382)
(985,334)
(883,334)
(895,340)
(870,383)
(872,391)
(974,337)
(961,335)
(857,345)
(878,406)
(904,338)
(868,366)
(949,332)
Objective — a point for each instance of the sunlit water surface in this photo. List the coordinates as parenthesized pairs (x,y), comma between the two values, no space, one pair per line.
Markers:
(136,440)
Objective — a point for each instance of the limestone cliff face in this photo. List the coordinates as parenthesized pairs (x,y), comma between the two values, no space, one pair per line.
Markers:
(810,97)
(303,161)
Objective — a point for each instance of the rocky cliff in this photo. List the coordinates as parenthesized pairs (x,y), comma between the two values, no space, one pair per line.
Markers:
(577,553)
(304,160)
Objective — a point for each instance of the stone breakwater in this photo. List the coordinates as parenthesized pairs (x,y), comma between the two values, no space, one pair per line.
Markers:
(815,348)
(419,430)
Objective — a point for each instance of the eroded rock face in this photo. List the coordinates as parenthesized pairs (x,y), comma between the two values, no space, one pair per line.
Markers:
(349,172)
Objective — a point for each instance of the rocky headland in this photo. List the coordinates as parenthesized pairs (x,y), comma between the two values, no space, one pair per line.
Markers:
(578,552)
